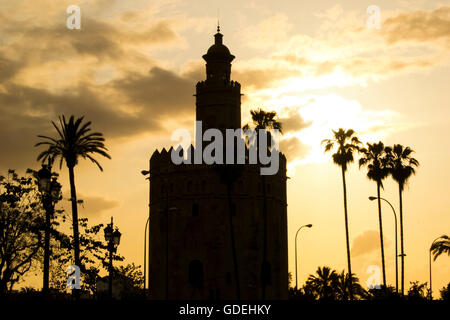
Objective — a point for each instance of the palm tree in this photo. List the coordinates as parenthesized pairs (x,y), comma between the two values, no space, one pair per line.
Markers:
(377,164)
(323,282)
(346,143)
(342,287)
(262,120)
(440,246)
(74,141)
(402,167)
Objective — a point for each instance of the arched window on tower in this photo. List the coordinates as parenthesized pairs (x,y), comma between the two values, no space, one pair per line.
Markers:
(196,273)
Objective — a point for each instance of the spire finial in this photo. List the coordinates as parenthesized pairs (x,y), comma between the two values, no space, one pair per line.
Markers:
(218,18)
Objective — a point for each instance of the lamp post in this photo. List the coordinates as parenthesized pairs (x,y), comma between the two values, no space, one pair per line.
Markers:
(396,252)
(296,277)
(431,290)
(166,211)
(112,237)
(144,173)
(50,191)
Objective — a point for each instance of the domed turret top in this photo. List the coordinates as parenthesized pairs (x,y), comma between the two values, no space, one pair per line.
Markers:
(218,51)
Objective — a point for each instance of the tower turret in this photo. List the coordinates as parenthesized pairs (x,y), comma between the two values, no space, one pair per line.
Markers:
(218,98)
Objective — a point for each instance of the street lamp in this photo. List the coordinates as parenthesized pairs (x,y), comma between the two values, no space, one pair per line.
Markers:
(396,253)
(112,237)
(50,191)
(431,290)
(296,277)
(145,173)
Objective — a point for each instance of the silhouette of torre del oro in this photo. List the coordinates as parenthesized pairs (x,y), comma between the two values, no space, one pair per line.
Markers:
(217,232)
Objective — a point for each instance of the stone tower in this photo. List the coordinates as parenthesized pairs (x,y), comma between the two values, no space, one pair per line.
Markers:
(196,217)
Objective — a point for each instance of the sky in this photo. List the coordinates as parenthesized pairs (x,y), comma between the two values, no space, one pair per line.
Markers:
(132,67)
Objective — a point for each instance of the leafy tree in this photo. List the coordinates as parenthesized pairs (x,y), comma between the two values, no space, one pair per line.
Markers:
(132,279)
(402,166)
(263,120)
(74,141)
(440,246)
(95,255)
(347,143)
(417,291)
(445,293)
(377,162)
(21,224)
(383,293)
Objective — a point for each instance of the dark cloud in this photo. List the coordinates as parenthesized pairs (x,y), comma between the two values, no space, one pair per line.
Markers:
(160,92)
(95,38)
(27,112)
(9,68)
(367,242)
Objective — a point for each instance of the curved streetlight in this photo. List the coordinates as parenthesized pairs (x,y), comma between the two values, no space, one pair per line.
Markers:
(431,290)
(296,277)
(396,252)
(145,173)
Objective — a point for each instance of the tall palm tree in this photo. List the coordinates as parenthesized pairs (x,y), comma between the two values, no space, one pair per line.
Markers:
(402,167)
(440,246)
(346,143)
(323,282)
(374,157)
(262,120)
(74,140)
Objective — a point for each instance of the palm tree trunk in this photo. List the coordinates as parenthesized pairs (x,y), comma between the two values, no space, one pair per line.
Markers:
(381,235)
(401,237)
(346,237)
(233,242)
(264,264)
(76,237)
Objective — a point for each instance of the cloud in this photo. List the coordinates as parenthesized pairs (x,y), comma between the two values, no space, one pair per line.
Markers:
(253,78)
(419,26)
(160,92)
(93,206)
(96,205)
(293,148)
(294,122)
(367,242)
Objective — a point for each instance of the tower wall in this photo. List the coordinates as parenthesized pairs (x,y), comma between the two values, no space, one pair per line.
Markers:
(196,200)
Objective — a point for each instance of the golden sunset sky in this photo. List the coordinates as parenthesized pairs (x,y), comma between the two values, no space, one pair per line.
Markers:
(132,70)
